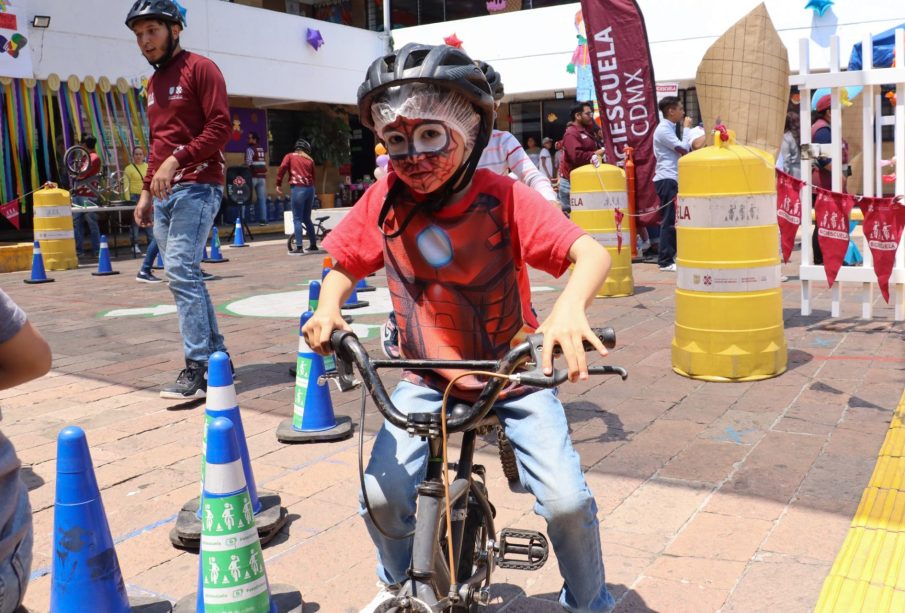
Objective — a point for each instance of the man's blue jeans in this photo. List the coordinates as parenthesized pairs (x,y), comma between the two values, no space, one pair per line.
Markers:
(259,185)
(89,218)
(15,510)
(301,200)
(549,468)
(565,191)
(182,223)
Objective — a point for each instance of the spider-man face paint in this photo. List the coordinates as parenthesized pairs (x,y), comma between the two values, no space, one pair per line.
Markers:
(425,152)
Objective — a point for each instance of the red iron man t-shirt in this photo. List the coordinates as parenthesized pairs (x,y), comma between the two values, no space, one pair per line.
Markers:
(457,278)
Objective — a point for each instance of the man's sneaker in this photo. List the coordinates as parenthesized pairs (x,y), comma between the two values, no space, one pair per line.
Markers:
(296,252)
(190,384)
(206,276)
(136,250)
(147,277)
(670,268)
(385,593)
(389,337)
(312,248)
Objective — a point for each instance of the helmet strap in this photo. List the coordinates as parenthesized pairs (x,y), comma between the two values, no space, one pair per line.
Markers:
(172,43)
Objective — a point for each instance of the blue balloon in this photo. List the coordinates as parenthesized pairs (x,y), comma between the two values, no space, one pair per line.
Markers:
(819,6)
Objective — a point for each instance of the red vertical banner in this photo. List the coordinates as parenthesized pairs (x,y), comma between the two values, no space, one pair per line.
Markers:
(884,219)
(788,210)
(626,90)
(832,210)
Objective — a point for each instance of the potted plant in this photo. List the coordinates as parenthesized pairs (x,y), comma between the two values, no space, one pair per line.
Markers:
(328,133)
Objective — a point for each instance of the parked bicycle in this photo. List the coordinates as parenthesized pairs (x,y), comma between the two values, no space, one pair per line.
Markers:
(107,188)
(320,231)
(456,546)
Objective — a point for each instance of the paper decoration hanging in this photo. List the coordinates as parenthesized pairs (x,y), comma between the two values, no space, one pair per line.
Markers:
(314,38)
(744,81)
(819,6)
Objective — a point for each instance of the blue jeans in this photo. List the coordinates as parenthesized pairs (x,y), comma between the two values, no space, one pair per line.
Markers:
(182,223)
(15,566)
(549,468)
(259,185)
(565,190)
(88,218)
(150,256)
(301,200)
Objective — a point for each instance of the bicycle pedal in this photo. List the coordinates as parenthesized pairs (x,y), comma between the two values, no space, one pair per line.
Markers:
(521,549)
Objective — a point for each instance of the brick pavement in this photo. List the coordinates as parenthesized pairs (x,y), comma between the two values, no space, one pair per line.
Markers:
(712,496)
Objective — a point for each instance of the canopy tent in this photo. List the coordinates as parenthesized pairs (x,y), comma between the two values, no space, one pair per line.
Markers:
(884,46)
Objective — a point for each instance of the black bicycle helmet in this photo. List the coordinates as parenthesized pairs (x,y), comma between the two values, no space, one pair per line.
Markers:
(447,68)
(164,10)
(493,79)
(303,145)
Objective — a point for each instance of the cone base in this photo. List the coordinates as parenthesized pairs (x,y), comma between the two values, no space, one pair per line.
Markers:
(220,261)
(37,281)
(342,430)
(143,604)
(269,521)
(355,305)
(286,598)
(237,246)
(105,274)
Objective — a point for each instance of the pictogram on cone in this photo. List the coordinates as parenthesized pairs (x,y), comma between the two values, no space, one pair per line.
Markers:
(103,262)
(238,237)
(216,256)
(363,286)
(231,572)
(158,263)
(313,419)
(85,571)
(269,516)
(37,267)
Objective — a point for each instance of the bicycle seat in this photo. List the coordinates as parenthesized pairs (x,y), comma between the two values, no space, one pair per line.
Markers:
(320,219)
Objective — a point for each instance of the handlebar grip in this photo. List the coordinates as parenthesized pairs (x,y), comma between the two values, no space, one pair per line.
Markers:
(607,336)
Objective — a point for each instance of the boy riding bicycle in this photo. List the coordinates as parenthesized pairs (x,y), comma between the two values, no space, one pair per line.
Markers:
(455,242)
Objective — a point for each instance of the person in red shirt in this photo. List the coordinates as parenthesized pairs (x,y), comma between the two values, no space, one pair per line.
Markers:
(300,167)
(580,144)
(188,116)
(455,242)
(256,160)
(84,193)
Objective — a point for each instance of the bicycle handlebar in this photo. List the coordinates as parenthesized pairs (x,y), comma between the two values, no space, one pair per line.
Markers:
(348,350)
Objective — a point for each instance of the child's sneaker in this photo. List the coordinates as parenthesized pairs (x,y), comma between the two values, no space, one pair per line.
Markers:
(382,596)
(389,337)
(147,277)
(190,384)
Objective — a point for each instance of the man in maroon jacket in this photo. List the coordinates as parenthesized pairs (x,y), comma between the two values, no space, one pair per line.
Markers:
(579,144)
(189,123)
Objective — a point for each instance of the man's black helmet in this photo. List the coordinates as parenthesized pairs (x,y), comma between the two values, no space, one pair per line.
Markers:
(443,66)
(164,10)
(303,145)
(493,79)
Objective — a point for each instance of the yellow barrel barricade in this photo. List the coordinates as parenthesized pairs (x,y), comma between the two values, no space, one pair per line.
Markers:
(53,227)
(729,324)
(596,194)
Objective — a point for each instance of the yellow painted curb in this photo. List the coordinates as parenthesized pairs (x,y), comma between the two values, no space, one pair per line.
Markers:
(15,257)
(869,571)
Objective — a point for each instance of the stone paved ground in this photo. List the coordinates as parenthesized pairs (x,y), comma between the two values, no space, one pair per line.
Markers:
(732,497)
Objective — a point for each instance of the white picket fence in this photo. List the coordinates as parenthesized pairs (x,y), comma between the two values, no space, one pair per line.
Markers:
(861,278)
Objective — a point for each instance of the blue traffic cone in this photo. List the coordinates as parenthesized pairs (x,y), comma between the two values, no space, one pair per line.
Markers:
(313,419)
(231,571)
(314,295)
(37,266)
(216,256)
(238,238)
(103,262)
(158,263)
(85,570)
(328,265)
(221,402)
(364,287)
(353,302)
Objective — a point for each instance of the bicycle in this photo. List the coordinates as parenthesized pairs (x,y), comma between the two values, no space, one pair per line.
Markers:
(454,519)
(320,231)
(107,189)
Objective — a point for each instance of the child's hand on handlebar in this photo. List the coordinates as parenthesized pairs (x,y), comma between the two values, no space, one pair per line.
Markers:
(318,329)
(568,328)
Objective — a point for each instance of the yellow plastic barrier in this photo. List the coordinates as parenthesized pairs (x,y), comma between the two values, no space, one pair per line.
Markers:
(53,227)
(596,194)
(729,324)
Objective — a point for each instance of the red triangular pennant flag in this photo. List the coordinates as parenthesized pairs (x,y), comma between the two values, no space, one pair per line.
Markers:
(884,219)
(10,211)
(833,210)
(788,210)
